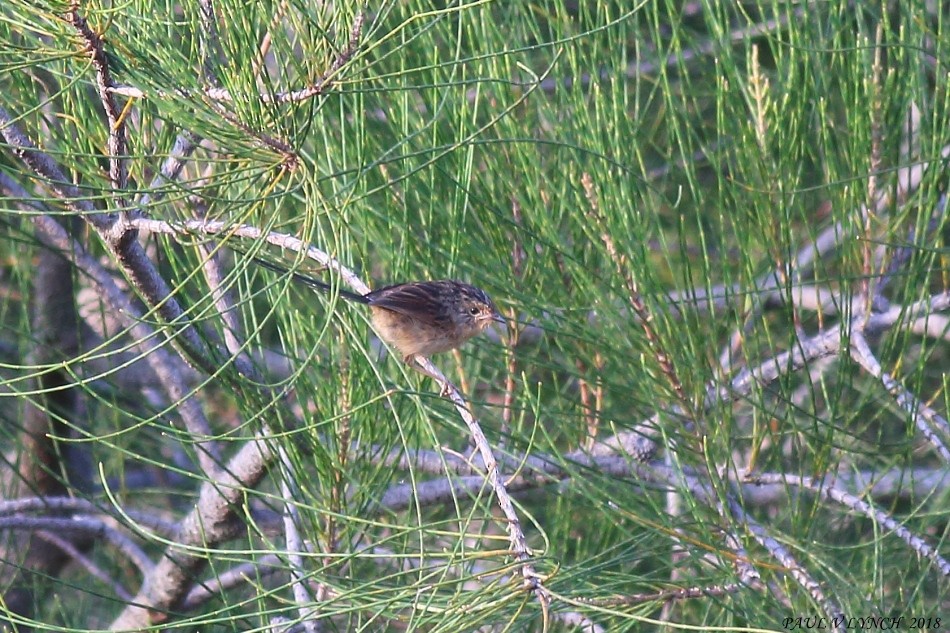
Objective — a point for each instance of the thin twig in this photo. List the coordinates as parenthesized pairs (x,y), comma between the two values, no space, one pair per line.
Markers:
(88,526)
(665,595)
(930,423)
(317,88)
(184,146)
(87,563)
(218,229)
(827,489)
(781,553)
(244,574)
(118,172)
(73,504)
(663,359)
(519,543)
(868,292)
(518,258)
(289,492)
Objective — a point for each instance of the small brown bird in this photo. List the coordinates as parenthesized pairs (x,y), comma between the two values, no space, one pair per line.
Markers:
(419,318)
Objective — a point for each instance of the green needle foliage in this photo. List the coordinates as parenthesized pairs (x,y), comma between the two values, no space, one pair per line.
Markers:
(716,230)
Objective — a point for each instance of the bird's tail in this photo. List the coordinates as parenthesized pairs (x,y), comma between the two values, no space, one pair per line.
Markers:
(310,281)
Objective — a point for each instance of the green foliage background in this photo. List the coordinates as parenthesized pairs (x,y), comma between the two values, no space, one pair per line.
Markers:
(721,139)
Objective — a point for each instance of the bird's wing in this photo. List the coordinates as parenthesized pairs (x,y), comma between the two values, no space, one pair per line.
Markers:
(415,300)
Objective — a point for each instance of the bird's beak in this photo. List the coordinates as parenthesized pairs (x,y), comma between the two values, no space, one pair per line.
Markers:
(500,319)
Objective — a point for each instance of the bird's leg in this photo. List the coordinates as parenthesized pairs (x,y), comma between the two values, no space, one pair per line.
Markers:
(422,365)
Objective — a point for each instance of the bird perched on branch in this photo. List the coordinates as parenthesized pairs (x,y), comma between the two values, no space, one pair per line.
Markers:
(418,318)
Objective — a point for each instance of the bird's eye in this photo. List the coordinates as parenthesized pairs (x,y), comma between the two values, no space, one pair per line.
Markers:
(474,311)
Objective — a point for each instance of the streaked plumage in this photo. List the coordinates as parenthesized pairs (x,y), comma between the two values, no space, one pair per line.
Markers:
(419,318)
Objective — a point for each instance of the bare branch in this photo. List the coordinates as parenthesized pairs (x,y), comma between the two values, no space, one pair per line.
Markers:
(827,489)
(86,527)
(90,566)
(931,424)
(295,545)
(119,235)
(208,525)
(118,172)
(783,556)
(165,365)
